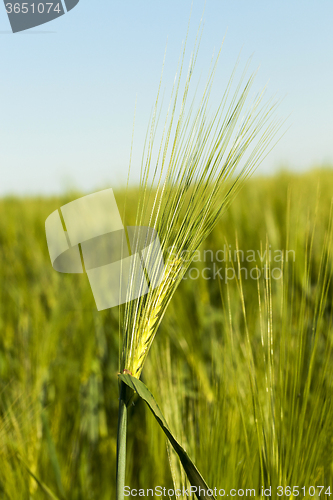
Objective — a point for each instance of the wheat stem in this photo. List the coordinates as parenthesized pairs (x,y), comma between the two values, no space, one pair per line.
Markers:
(121,441)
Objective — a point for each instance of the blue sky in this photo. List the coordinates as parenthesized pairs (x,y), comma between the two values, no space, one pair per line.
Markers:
(69,87)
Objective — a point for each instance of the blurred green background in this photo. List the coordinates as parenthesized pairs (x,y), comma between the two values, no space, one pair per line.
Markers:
(242,370)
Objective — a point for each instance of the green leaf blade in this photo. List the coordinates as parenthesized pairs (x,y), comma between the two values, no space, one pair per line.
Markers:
(194,476)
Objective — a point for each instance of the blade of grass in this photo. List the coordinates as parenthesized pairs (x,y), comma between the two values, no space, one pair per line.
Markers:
(192,472)
(52,454)
(40,483)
